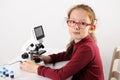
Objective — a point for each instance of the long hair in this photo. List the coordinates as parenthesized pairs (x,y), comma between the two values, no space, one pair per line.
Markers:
(92,17)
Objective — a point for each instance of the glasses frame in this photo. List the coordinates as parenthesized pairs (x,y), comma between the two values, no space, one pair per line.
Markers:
(79,24)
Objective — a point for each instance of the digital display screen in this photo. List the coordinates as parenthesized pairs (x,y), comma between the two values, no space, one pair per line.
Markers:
(39,33)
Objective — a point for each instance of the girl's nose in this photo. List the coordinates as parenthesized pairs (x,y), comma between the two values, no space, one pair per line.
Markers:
(76,27)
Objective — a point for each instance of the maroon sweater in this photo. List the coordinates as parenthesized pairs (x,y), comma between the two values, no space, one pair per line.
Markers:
(84,64)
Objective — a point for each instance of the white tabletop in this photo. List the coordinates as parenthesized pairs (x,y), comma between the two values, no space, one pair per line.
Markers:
(23,75)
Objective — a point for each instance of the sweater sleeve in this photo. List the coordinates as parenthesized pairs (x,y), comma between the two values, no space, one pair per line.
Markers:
(59,57)
(80,59)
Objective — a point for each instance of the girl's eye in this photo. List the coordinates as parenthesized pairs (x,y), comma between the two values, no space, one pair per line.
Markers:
(72,21)
(83,23)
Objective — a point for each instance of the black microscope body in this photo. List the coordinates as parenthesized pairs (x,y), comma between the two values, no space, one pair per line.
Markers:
(35,50)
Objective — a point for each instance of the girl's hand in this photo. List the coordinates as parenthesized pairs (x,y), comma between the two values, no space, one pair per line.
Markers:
(45,58)
(29,66)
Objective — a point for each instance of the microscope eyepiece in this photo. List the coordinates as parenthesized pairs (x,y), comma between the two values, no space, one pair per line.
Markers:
(25,55)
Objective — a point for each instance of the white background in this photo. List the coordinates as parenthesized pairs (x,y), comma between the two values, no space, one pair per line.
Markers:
(18,17)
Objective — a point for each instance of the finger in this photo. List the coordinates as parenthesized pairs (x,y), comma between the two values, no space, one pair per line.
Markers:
(26,61)
(34,55)
(21,65)
(23,62)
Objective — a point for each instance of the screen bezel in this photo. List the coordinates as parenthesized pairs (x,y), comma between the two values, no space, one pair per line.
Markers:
(41,36)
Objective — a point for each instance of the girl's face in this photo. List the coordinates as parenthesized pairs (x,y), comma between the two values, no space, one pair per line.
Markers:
(79,24)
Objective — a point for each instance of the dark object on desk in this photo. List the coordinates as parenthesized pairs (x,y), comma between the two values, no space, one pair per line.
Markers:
(12,74)
(6,73)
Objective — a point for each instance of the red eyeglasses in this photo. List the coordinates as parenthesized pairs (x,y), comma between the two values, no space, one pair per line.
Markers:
(72,23)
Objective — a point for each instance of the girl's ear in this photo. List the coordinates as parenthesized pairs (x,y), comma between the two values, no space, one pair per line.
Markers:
(92,28)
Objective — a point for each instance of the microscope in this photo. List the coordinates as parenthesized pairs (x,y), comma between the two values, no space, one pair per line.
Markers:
(34,50)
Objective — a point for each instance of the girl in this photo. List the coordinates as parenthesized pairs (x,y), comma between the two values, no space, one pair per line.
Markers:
(82,52)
